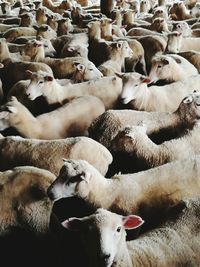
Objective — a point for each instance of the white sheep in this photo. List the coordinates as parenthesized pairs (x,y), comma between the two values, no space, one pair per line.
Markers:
(24,201)
(178,43)
(175,243)
(161,125)
(135,141)
(155,98)
(143,193)
(171,68)
(71,119)
(108,89)
(48,154)
(118,52)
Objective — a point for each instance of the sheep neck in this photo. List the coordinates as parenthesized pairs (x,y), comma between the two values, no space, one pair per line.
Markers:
(122,257)
(27,125)
(146,150)
(100,192)
(55,92)
(39,56)
(142,96)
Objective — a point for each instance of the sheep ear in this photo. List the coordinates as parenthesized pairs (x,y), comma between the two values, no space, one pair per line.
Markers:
(132,222)
(119,45)
(70,49)
(85,176)
(145,79)
(12,109)
(80,67)
(165,61)
(120,75)
(29,72)
(73,224)
(48,78)
(1,65)
(187,100)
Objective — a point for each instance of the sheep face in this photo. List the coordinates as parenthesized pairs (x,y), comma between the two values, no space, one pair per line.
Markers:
(174,42)
(39,83)
(103,234)
(46,32)
(29,197)
(86,73)
(132,84)
(160,25)
(183,28)
(190,106)
(32,48)
(161,68)
(72,180)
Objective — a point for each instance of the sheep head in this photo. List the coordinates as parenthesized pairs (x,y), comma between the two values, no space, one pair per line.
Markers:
(189,108)
(103,234)
(133,82)
(39,83)
(126,138)
(73,179)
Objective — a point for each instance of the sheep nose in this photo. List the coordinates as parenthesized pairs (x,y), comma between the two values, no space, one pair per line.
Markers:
(105,258)
(50,194)
(123,100)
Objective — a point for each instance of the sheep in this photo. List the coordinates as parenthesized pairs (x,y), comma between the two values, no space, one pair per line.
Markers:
(18,151)
(177,43)
(155,98)
(160,125)
(43,30)
(171,68)
(137,31)
(134,141)
(28,205)
(179,11)
(118,52)
(71,119)
(193,57)
(83,74)
(154,45)
(175,243)
(183,28)
(96,44)
(64,26)
(74,51)
(107,89)
(17,70)
(136,61)
(70,40)
(145,193)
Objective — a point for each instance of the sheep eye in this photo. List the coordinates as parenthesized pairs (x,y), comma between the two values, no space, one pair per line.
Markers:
(90,69)
(159,66)
(40,82)
(136,85)
(119,229)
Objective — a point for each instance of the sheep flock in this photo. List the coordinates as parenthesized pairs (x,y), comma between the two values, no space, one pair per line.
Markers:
(100,133)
